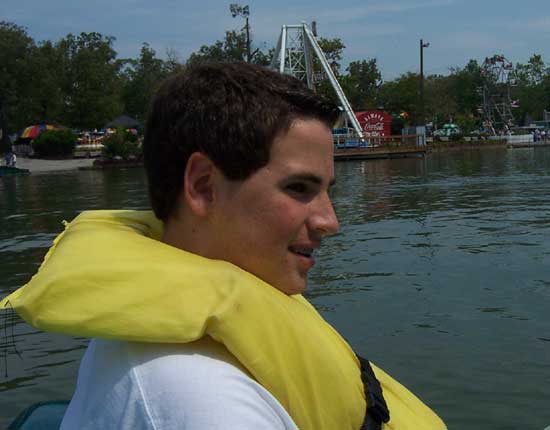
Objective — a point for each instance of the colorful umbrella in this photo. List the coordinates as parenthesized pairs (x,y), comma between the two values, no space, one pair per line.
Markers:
(34,130)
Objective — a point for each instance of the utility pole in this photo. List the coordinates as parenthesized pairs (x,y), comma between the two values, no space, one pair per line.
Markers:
(244,11)
(422,46)
(4,138)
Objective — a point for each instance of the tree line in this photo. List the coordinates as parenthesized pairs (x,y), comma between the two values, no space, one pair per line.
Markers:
(79,81)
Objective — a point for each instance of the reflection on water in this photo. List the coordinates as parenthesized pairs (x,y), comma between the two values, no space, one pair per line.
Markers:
(440,274)
(42,366)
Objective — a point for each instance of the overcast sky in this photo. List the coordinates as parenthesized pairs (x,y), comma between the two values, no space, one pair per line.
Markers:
(387,30)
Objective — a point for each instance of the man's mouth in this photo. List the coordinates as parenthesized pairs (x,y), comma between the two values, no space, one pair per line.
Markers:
(301,250)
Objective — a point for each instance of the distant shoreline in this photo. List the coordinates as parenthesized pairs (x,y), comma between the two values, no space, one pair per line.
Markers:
(39,165)
(466,145)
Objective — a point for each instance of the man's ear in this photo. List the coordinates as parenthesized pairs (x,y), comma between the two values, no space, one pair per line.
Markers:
(199,183)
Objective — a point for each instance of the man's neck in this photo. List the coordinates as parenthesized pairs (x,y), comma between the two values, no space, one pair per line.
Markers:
(183,233)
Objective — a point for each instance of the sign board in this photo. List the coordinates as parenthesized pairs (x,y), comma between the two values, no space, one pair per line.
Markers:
(374,122)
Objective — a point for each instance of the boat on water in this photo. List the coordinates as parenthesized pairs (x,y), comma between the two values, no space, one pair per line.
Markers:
(48,416)
(9,170)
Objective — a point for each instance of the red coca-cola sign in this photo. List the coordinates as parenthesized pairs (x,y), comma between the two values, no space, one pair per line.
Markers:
(374,122)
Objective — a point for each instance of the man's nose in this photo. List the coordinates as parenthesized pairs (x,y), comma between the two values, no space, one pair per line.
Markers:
(323,220)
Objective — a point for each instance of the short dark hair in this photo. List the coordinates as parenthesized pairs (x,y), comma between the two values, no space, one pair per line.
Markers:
(231,112)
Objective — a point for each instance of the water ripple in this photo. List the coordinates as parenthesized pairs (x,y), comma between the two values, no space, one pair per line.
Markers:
(27,242)
(445,259)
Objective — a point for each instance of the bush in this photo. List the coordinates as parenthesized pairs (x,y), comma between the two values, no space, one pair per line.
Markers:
(121,144)
(397,124)
(467,123)
(54,143)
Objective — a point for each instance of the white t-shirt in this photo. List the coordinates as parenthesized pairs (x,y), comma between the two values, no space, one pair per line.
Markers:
(197,386)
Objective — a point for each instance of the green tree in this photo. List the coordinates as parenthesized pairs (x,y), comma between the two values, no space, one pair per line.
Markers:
(91,82)
(16,49)
(361,84)
(142,78)
(232,48)
(533,90)
(440,103)
(400,95)
(465,88)
(334,51)
(263,58)
(533,72)
(172,64)
(46,102)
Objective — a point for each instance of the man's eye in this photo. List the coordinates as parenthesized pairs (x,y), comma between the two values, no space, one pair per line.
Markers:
(297,188)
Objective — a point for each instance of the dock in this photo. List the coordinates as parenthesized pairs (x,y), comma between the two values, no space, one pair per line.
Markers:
(379,147)
(341,154)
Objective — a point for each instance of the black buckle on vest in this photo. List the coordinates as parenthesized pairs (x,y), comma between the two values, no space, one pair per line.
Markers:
(377,409)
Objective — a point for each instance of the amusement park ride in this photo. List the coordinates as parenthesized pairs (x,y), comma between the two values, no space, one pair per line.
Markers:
(499,76)
(296,54)
(296,48)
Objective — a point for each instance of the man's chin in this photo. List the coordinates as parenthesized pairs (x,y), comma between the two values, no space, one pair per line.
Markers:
(292,288)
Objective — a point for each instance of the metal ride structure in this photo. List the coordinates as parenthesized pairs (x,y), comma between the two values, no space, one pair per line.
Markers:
(499,76)
(294,54)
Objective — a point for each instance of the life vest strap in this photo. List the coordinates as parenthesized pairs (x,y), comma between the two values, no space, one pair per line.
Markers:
(377,409)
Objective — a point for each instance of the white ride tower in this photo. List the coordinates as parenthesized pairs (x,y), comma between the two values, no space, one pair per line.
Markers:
(294,55)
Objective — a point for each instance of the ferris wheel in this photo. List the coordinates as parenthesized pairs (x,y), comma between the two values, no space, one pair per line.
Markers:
(499,76)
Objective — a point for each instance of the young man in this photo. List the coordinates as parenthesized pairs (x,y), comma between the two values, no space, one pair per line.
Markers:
(237,173)
(203,310)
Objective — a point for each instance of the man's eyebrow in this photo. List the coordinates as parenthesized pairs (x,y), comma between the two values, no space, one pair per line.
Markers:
(310,177)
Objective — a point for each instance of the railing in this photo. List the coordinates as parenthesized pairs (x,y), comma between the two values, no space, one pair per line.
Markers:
(23,150)
(350,140)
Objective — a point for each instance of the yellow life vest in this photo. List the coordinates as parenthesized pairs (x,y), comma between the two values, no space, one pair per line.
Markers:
(109,276)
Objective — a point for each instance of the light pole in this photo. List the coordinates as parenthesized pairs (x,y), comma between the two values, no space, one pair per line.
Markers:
(244,11)
(422,46)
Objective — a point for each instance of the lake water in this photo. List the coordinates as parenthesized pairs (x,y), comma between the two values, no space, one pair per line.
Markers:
(440,275)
